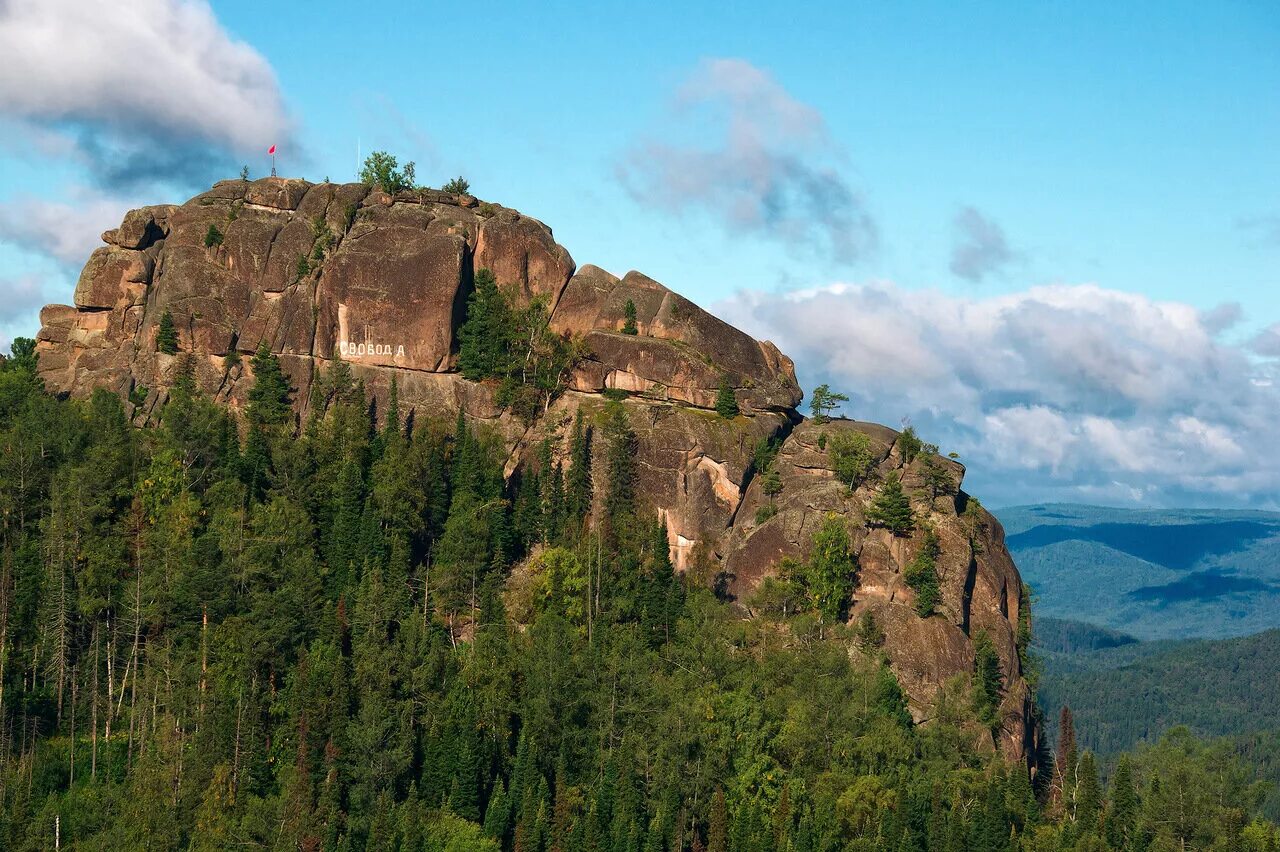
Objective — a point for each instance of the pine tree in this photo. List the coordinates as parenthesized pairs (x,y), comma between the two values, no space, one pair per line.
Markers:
(212,237)
(167,335)
(891,508)
(726,400)
(825,401)
(629,318)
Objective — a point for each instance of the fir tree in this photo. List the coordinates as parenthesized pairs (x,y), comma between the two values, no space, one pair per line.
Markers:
(212,237)
(1122,810)
(629,318)
(1088,794)
(167,335)
(891,508)
(484,338)
(726,399)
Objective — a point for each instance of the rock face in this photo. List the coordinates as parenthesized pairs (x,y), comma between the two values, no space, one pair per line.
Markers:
(322,272)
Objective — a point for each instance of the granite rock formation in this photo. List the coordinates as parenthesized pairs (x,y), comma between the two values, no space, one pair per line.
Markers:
(321,272)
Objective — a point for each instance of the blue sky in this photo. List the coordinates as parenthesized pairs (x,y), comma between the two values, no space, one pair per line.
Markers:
(992,186)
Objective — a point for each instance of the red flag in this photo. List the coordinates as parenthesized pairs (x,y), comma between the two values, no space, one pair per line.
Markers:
(271,150)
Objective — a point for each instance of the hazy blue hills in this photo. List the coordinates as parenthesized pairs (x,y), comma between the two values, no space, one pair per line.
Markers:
(1152,574)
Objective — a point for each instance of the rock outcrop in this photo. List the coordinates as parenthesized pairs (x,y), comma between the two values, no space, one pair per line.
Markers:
(322,272)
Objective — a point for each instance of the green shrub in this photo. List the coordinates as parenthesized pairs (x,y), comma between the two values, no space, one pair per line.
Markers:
(851,457)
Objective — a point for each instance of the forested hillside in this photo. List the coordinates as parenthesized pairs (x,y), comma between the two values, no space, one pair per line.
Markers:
(1133,692)
(356,634)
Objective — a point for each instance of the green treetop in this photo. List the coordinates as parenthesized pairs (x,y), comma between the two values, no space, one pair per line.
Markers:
(825,401)
(383,170)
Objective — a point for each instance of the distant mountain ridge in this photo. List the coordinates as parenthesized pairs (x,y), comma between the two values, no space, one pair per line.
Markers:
(1155,574)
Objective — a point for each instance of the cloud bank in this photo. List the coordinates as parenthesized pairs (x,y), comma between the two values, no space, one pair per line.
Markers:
(736,146)
(1071,392)
(141,90)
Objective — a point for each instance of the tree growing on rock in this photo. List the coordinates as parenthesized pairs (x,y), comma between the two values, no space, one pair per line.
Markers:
(891,507)
(851,457)
(457,186)
(629,318)
(212,237)
(986,680)
(824,402)
(167,335)
(922,576)
(829,574)
(937,477)
(383,170)
(726,399)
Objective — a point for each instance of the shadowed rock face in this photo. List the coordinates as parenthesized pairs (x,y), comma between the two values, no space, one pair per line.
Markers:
(321,272)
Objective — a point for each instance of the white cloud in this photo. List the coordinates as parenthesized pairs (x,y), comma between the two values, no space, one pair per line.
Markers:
(21,298)
(737,146)
(66,232)
(1066,391)
(143,89)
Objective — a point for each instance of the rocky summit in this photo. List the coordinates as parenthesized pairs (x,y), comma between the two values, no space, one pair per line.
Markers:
(322,272)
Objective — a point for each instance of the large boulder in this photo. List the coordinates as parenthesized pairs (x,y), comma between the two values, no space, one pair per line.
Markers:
(678,349)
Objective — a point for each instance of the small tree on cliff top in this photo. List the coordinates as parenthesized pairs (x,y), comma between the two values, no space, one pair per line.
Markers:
(824,402)
(382,169)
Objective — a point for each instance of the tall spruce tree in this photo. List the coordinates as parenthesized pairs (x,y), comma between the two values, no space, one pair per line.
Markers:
(167,335)
(891,508)
(726,399)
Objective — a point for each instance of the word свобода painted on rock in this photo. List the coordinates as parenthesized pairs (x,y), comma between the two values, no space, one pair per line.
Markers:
(357,349)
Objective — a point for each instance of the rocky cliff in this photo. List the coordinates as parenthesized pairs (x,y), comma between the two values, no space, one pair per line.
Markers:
(320,272)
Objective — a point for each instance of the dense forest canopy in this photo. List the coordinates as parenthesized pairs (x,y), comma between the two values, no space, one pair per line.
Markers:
(354,633)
